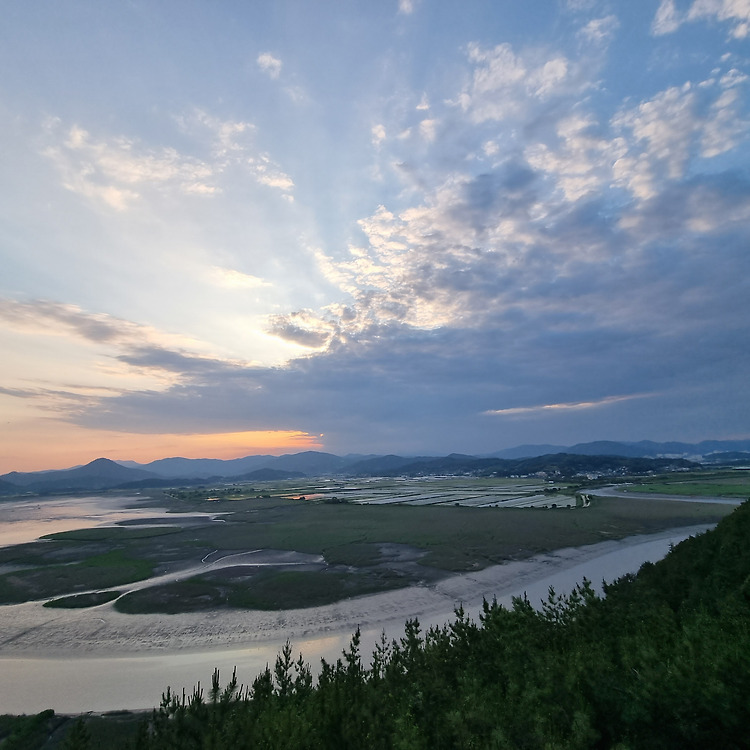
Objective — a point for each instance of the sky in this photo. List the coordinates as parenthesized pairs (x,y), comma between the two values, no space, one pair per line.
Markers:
(408,226)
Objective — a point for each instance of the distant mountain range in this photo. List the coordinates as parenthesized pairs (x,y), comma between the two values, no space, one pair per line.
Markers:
(310,463)
(642,449)
(100,474)
(604,457)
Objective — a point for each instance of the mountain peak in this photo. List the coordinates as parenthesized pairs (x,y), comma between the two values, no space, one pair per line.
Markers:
(100,463)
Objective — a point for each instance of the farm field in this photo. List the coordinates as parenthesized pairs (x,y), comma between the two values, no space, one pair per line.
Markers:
(437,491)
(476,493)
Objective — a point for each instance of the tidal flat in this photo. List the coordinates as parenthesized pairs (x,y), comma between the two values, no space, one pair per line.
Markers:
(273,548)
(105,660)
(193,583)
(269,549)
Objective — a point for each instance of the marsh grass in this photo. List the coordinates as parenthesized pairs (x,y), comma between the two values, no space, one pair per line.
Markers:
(82,601)
(172,598)
(102,571)
(290,589)
(357,554)
(264,590)
(112,533)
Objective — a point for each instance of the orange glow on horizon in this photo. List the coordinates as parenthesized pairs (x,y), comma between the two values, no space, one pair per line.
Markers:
(41,445)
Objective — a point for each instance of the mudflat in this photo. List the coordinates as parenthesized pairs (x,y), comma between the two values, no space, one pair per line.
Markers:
(31,630)
(161,575)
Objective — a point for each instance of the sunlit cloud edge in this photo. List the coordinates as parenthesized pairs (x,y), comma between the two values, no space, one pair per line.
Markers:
(569,406)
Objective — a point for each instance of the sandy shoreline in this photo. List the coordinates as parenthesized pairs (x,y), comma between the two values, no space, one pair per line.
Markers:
(31,631)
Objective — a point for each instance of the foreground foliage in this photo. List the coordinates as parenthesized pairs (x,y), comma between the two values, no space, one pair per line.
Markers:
(662,661)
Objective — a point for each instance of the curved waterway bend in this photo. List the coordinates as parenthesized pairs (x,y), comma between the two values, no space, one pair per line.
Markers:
(87,679)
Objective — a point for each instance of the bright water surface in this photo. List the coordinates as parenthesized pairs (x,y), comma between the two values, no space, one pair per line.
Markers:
(27,520)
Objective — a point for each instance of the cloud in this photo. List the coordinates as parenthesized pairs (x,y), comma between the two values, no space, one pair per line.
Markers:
(108,356)
(43,316)
(707,206)
(297,94)
(668,19)
(737,11)
(268,173)
(117,171)
(58,402)
(269,64)
(228,140)
(547,251)
(120,171)
(505,83)
(232,279)
(49,318)
(154,357)
(378,134)
(518,277)
(600,30)
(397,386)
(666,131)
(406,7)
(302,327)
(47,395)
(428,129)
(577,406)
(467,304)
(583,160)
(232,146)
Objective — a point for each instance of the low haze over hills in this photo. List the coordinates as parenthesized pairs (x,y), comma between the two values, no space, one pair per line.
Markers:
(601,456)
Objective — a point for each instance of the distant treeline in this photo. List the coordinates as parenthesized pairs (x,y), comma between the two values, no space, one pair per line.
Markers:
(103,474)
(557,465)
(662,661)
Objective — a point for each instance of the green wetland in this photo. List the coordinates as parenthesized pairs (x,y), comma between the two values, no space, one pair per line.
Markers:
(282,545)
